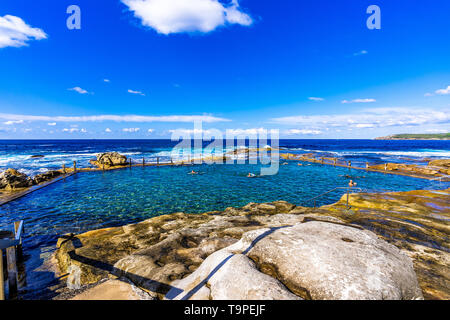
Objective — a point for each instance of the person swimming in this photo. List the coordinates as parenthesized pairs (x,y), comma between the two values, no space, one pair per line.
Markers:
(193,172)
(251,175)
(352,184)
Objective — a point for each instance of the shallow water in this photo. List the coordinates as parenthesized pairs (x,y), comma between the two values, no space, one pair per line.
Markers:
(93,200)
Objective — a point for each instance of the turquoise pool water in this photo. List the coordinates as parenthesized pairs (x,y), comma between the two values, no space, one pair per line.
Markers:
(102,199)
(95,200)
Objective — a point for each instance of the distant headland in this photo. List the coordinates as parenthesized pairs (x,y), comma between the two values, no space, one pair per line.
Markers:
(433,136)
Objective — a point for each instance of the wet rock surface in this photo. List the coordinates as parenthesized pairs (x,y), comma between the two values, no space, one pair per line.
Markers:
(158,253)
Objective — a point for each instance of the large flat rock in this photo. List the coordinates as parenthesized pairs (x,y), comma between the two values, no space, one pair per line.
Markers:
(312,260)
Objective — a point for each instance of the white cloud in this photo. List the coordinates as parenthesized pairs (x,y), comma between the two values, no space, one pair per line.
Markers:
(106,80)
(443,91)
(150,130)
(365,125)
(177,16)
(71,130)
(52,124)
(359,101)
(316,99)
(14,32)
(371,118)
(136,92)
(302,131)
(108,130)
(117,118)
(131,129)
(360,53)
(83,130)
(79,90)
(12,122)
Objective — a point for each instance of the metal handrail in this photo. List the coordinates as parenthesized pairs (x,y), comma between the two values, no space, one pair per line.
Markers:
(337,188)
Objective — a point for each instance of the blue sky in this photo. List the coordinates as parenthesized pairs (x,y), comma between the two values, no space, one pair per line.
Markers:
(141,68)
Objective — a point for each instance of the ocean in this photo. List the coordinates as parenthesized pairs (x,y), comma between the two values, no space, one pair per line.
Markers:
(92,200)
(18,153)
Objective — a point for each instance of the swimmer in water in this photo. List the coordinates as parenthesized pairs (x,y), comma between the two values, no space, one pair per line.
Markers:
(193,172)
(352,184)
(299,164)
(251,175)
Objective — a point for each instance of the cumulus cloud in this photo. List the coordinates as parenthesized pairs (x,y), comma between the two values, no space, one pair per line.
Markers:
(316,99)
(106,80)
(359,101)
(79,90)
(52,124)
(177,16)
(150,130)
(136,92)
(108,130)
(443,91)
(14,32)
(372,118)
(117,118)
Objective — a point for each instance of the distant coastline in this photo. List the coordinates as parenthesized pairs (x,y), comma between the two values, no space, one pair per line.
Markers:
(433,136)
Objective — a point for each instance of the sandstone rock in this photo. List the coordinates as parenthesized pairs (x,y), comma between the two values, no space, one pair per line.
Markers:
(47,176)
(440,163)
(321,260)
(11,179)
(235,279)
(110,159)
(171,247)
(114,289)
(314,260)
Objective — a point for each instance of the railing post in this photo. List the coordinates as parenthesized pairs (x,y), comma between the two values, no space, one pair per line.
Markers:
(2,283)
(348,192)
(385,167)
(349,164)
(64,168)
(74,166)
(130,163)
(143,161)
(367,165)
(157,161)
(11,265)
(19,246)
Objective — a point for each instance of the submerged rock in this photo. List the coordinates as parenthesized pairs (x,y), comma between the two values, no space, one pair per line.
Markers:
(12,179)
(109,159)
